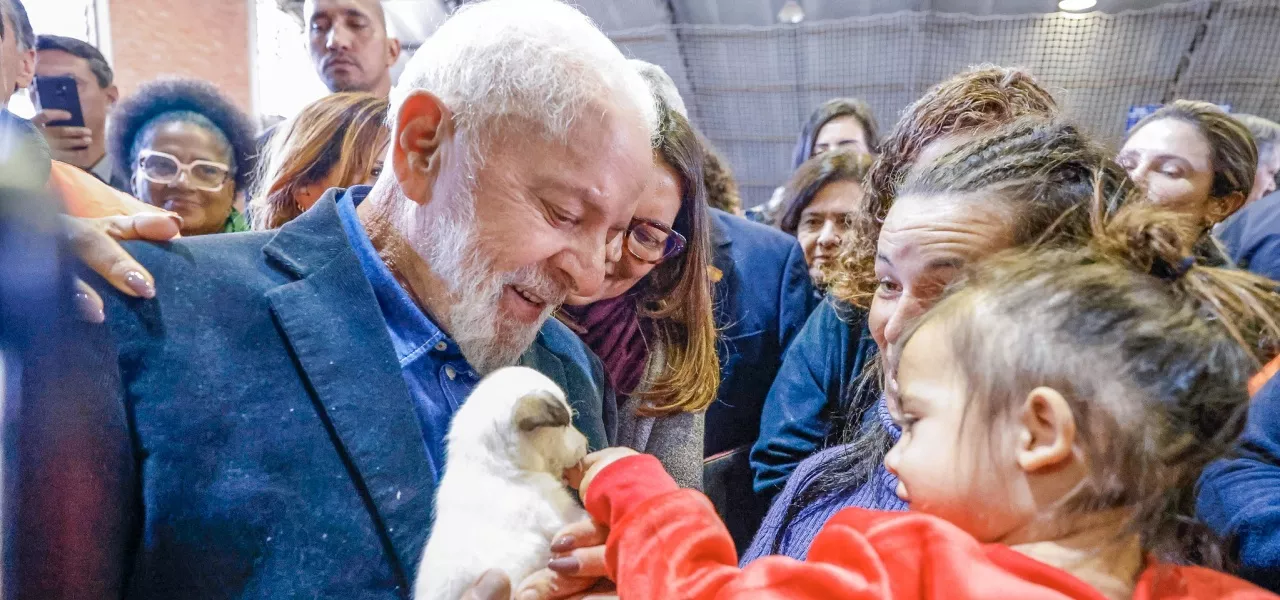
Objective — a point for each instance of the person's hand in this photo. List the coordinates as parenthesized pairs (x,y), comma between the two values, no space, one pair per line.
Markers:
(581,476)
(492,585)
(94,241)
(64,142)
(576,570)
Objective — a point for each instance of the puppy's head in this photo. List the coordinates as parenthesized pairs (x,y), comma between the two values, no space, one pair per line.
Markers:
(519,416)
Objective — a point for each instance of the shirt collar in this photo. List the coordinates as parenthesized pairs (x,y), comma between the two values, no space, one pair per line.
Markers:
(413,333)
(102,169)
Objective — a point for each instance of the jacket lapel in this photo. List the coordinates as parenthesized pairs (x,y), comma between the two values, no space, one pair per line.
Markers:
(335,329)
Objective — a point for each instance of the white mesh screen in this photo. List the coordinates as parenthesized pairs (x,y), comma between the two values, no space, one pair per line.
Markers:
(749,89)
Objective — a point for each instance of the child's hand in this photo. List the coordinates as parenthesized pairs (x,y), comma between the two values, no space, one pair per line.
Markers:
(580,476)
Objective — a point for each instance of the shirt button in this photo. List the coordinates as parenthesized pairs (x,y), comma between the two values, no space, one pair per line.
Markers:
(442,346)
(450,372)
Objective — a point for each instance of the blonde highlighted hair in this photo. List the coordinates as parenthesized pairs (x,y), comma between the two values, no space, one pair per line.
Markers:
(333,139)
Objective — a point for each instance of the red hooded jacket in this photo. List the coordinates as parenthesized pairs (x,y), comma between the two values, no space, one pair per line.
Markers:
(668,543)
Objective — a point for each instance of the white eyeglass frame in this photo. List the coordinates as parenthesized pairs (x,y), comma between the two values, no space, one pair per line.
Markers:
(183,169)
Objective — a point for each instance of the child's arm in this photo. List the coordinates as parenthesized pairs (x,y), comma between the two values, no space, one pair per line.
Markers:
(665,542)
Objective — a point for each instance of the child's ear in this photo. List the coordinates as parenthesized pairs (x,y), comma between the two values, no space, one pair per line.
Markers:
(1048,432)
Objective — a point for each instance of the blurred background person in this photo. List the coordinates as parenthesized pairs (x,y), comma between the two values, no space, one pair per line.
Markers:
(722,189)
(84,147)
(1192,157)
(818,205)
(335,142)
(350,46)
(838,123)
(1265,134)
(18,56)
(1252,235)
(186,148)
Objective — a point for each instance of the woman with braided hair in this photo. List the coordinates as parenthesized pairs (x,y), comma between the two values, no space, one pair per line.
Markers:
(1028,183)
(806,404)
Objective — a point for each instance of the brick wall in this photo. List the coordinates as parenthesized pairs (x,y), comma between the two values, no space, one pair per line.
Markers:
(206,39)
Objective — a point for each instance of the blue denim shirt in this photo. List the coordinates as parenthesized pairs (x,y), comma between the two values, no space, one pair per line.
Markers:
(438,376)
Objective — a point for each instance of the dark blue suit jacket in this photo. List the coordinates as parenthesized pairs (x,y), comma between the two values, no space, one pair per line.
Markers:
(275,443)
(761,301)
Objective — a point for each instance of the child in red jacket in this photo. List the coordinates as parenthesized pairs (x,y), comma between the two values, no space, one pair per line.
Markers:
(1056,412)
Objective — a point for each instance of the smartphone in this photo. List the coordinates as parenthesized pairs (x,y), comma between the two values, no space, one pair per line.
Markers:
(60,93)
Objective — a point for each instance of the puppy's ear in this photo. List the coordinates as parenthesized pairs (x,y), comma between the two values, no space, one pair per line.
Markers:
(541,409)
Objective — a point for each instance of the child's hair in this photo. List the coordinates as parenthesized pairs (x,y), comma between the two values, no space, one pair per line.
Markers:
(1151,349)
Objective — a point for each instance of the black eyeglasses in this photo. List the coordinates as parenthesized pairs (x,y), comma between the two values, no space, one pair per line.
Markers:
(652,242)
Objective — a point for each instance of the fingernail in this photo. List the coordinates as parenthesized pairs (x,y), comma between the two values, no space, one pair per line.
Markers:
(177,218)
(139,284)
(563,544)
(528,595)
(567,565)
(88,309)
(491,584)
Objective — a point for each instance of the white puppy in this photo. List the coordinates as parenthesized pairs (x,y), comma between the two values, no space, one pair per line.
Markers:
(502,498)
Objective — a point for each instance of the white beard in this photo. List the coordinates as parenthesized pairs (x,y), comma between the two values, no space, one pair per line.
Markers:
(448,243)
(501,498)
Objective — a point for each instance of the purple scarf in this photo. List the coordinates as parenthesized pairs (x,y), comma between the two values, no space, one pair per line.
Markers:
(611,328)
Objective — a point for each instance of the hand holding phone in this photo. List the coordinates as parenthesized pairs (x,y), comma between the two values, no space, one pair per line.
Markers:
(60,93)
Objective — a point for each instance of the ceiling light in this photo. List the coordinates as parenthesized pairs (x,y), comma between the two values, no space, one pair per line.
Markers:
(1076,5)
(791,13)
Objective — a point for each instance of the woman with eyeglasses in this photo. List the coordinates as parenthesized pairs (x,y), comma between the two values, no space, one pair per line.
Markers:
(651,322)
(186,148)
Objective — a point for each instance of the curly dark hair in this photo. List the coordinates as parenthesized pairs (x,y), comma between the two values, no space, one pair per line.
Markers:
(182,100)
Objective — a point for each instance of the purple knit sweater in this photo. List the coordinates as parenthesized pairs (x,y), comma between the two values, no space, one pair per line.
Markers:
(878,493)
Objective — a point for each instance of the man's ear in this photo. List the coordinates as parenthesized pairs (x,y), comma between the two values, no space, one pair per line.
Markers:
(28,71)
(393,51)
(1048,430)
(423,124)
(113,94)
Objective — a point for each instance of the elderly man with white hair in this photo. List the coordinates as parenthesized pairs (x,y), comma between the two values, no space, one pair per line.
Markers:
(273,424)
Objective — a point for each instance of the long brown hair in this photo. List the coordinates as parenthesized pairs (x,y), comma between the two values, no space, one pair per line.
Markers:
(1151,349)
(980,99)
(676,296)
(337,134)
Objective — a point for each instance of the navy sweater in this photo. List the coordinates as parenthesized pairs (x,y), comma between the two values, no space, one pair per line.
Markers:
(1240,495)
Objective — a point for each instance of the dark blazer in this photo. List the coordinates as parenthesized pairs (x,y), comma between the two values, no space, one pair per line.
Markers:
(1239,496)
(277,450)
(761,301)
(810,392)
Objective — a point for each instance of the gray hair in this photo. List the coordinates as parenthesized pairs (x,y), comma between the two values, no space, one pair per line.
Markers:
(661,86)
(16,12)
(539,61)
(1265,132)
